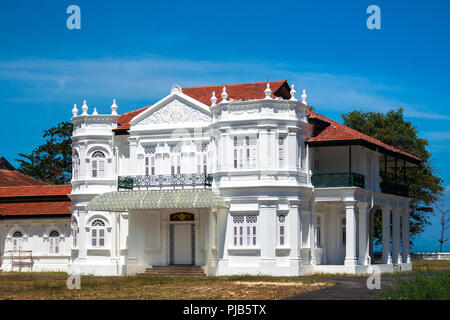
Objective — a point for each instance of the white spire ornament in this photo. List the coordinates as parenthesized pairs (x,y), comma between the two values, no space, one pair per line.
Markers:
(213,99)
(293,93)
(268,92)
(304,96)
(84,107)
(75,110)
(95,112)
(114,108)
(224,95)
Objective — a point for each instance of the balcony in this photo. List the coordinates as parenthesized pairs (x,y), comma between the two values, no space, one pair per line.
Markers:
(341,179)
(160,181)
(394,188)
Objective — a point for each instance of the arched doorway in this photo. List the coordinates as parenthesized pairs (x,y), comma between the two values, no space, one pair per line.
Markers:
(182,238)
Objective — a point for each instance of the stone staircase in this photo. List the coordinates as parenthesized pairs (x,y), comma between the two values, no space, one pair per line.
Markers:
(178,270)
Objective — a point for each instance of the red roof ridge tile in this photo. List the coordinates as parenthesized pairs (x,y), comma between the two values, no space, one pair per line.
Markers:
(355,133)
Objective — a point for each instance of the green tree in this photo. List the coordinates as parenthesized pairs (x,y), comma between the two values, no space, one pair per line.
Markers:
(52,161)
(424,185)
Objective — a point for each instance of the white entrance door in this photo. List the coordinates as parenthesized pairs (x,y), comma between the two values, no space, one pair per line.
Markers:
(182,244)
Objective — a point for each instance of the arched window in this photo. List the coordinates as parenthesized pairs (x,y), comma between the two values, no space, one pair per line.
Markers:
(98,164)
(75,164)
(17,240)
(54,241)
(98,233)
(74,233)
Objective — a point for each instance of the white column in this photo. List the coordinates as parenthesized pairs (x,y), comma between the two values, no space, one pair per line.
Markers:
(133,156)
(267,236)
(262,161)
(405,237)
(83,235)
(363,258)
(294,235)
(396,257)
(197,240)
(84,167)
(292,152)
(371,228)
(211,237)
(164,237)
(222,155)
(350,240)
(312,232)
(222,220)
(386,236)
(131,260)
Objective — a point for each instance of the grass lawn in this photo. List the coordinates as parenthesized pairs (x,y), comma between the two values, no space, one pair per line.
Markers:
(48,286)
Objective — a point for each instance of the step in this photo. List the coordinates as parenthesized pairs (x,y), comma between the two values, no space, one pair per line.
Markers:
(175,270)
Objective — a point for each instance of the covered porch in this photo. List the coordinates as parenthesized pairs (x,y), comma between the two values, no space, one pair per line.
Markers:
(168,227)
(342,232)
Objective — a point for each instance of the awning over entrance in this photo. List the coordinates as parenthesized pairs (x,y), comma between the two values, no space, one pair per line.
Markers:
(156,199)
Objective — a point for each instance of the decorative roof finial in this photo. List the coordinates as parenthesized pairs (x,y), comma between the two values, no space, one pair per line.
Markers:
(95,112)
(293,93)
(304,96)
(114,108)
(224,95)
(84,107)
(213,99)
(75,110)
(268,92)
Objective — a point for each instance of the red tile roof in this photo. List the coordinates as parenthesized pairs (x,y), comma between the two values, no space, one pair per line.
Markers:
(247,91)
(13,178)
(35,191)
(241,91)
(35,208)
(35,200)
(336,131)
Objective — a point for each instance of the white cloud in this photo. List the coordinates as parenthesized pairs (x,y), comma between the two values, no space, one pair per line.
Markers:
(437,135)
(151,78)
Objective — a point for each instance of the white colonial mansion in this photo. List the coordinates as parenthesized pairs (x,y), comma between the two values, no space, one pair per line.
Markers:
(235,179)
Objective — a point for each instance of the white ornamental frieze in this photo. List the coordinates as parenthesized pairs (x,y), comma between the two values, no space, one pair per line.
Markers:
(176,112)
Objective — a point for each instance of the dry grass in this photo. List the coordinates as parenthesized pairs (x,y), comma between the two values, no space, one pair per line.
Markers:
(430,265)
(155,287)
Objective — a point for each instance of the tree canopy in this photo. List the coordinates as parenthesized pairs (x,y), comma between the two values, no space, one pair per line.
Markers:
(425,187)
(52,161)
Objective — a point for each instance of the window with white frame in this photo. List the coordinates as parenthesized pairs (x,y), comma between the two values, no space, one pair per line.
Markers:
(98,233)
(244,230)
(175,159)
(244,152)
(53,240)
(202,158)
(75,164)
(238,153)
(149,160)
(318,231)
(17,241)
(281,151)
(281,230)
(98,164)
(343,232)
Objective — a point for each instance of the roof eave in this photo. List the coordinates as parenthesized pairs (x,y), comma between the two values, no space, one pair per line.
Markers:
(364,143)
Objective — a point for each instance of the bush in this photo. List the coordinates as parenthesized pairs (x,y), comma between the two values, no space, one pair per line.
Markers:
(421,285)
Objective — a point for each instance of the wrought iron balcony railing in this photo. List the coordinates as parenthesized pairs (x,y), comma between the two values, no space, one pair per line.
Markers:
(341,179)
(165,180)
(394,188)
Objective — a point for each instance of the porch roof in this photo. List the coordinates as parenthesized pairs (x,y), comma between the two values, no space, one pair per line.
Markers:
(156,199)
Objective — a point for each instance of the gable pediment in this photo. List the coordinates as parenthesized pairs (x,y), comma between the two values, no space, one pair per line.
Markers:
(173,110)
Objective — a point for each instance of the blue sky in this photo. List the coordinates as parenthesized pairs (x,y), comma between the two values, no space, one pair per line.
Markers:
(135,51)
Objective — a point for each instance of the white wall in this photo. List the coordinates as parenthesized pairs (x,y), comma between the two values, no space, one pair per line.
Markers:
(36,232)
